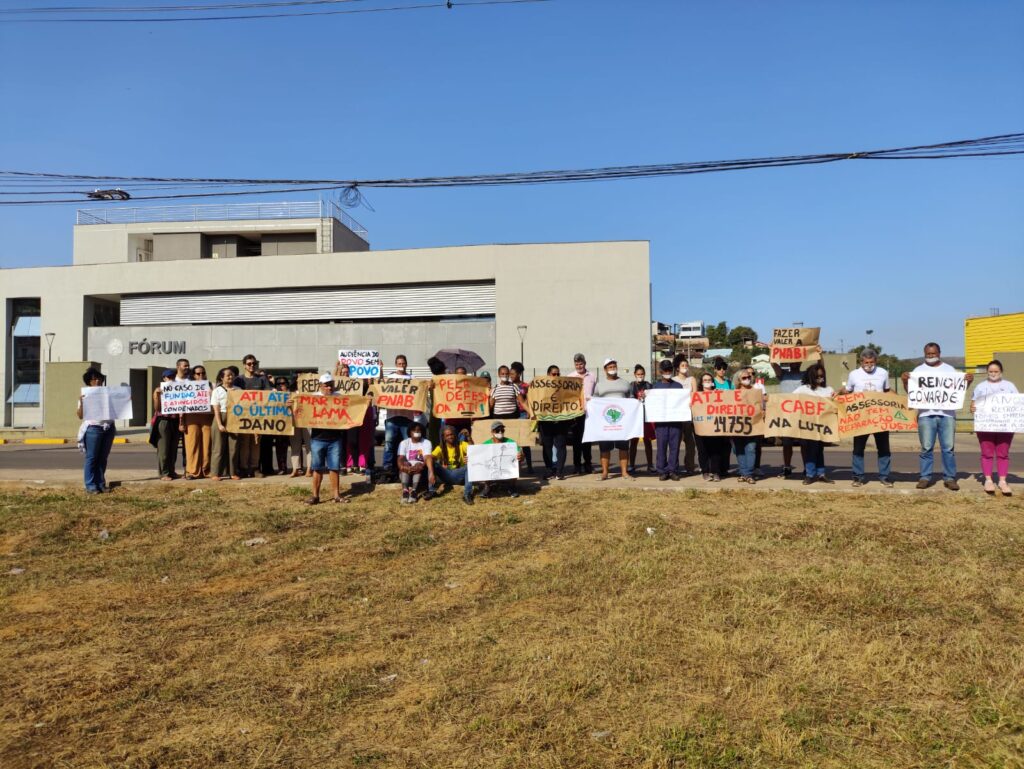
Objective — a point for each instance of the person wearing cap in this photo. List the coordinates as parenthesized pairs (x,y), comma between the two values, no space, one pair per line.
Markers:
(613,386)
(165,433)
(498,436)
(667,435)
(325,452)
(580,450)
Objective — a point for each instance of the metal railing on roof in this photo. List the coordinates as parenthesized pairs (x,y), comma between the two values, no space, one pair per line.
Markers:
(313,209)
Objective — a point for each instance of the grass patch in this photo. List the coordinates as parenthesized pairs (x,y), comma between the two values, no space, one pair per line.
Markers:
(612,629)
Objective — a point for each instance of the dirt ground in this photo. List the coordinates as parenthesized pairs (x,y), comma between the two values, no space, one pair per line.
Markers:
(232,626)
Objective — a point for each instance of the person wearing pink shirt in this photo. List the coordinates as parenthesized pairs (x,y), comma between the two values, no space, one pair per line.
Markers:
(580,450)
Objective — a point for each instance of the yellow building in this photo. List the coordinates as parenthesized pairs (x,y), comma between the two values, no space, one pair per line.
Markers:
(985,336)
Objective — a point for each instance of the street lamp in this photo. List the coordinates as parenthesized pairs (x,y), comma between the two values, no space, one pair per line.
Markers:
(522,340)
(798,324)
(49,345)
(869,332)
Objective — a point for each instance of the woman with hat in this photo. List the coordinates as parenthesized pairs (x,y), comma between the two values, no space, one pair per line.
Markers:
(613,386)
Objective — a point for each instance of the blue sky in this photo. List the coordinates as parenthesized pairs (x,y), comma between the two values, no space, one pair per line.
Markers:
(905,248)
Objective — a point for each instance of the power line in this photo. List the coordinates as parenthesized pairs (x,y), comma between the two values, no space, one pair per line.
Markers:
(1004,144)
(448,4)
(169,8)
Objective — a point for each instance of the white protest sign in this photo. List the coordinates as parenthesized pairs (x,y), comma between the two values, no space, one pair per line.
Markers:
(613,419)
(100,404)
(185,397)
(493,462)
(667,405)
(936,391)
(999,413)
(362,364)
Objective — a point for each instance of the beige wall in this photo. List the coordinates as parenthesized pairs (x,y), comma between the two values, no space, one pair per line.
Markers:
(573,297)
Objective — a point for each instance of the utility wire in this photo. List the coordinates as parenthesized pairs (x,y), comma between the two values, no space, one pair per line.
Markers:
(1004,144)
(297,14)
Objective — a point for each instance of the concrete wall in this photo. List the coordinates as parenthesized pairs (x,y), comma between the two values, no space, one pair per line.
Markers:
(175,246)
(343,239)
(278,243)
(62,386)
(588,297)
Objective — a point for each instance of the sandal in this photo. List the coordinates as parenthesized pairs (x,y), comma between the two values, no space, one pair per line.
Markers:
(313,501)
(990,488)
(1004,489)
(340,499)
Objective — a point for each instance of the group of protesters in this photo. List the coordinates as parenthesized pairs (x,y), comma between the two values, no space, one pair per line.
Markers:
(210,450)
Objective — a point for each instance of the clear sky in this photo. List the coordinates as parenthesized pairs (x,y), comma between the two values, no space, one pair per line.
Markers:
(905,248)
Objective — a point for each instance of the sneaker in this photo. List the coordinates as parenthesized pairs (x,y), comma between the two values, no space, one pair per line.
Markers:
(467,500)
(429,496)
(413,497)
(886,482)
(787,471)
(673,477)
(405,496)
(924,483)
(631,470)
(858,482)
(951,485)
(715,477)
(560,477)
(809,481)
(663,477)
(513,493)
(825,479)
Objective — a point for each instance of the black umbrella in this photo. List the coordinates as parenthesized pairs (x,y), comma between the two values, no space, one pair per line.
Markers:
(454,357)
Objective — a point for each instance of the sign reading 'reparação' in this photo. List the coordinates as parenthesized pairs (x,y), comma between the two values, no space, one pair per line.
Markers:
(864,413)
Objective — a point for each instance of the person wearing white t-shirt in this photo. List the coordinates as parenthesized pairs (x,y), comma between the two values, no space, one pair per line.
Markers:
(813,451)
(414,456)
(932,423)
(870,377)
(994,446)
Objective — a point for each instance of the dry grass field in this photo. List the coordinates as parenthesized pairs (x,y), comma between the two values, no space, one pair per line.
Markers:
(593,629)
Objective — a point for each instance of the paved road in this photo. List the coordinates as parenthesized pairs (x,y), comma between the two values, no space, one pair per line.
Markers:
(21,462)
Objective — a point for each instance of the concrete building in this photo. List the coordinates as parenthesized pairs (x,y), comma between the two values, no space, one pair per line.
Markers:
(293,283)
(985,336)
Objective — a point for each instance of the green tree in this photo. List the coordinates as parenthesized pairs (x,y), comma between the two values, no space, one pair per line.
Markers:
(737,334)
(718,335)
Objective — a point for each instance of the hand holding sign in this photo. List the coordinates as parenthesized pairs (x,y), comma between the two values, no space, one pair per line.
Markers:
(795,345)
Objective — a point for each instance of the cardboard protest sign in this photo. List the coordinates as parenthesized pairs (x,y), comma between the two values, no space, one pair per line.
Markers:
(259,411)
(936,391)
(460,396)
(794,345)
(556,398)
(865,413)
(519,430)
(613,419)
(727,413)
(407,394)
(307,383)
(667,405)
(329,412)
(101,404)
(185,397)
(362,364)
(810,417)
(999,413)
(492,462)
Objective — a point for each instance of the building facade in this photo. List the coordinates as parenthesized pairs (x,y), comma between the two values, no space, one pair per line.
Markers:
(987,335)
(293,284)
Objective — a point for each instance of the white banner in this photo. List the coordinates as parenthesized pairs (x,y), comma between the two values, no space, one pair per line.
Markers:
(999,413)
(667,405)
(100,404)
(613,419)
(185,397)
(493,462)
(940,391)
(362,364)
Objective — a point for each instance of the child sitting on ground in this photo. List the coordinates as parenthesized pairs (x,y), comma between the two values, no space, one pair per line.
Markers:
(413,456)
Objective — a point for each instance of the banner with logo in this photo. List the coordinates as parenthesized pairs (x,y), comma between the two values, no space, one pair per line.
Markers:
(667,405)
(865,413)
(265,412)
(556,398)
(999,413)
(794,345)
(809,417)
(613,419)
(937,391)
(185,397)
(362,364)
(727,413)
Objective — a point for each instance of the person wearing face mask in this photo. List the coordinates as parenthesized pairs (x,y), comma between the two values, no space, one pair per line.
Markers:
(498,436)
(932,423)
(581,451)
(683,377)
(667,434)
(553,438)
(516,373)
(636,390)
(414,456)
(994,446)
(870,377)
(506,399)
(325,452)
(789,378)
(709,447)
(813,451)
(613,386)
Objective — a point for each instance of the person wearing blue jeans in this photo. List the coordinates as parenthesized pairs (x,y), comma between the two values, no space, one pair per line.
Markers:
(746,457)
(870,378)
(396,426)
(449,465)
(933,422)
(96,439)
(860,443)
